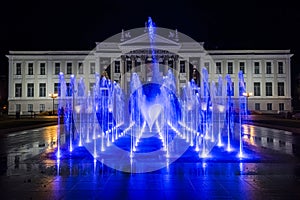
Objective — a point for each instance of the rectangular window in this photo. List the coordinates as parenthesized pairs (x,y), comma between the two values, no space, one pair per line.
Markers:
(137,66)
(80,89)
(268,68)
(269,106)
(42,107)
(218,68)
(280,88)
(281,106)
(30,68)
(91,86)
(206,65)
(280,68)
(257,106)
(170,63)
(18,107)
(117,66)
(18,68)
(57,68)
(69,68)
(69,90)
(92,68)
(57,88)
(42,89)
(18,90)
(242,67)
(269,89)
(129,65)
(42,68)
(242,88)
(256,89)
(30,90)
(230,92)
(80,68)
(230,67)
(182,66)
(218,89)
(256,67)
(30,107)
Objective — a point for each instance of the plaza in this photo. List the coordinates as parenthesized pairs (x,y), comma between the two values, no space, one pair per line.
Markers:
(29,170)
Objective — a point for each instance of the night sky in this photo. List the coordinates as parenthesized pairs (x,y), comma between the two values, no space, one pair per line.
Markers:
(71,25)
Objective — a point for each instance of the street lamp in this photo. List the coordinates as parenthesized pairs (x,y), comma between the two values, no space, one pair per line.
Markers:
(53,96)
(247,95)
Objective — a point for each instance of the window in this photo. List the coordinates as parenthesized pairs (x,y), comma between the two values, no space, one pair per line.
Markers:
(69,68)
(57,88)
(137,66)
(230,91)
(30,107)
(42,68)
(18,68)
(57,68)
(30,90)
(18,90)
(30,68)
(269,106)
(170,63)
(256,67)
(91,86)
(129,65)
(117,66)
(69,90)
(182,66)
(18,107)
(42,89)
(242,88)
(280,88)
(280,68)
(92,68)
(268,68)
(206,65)
(268,89)
(257,106)
(242,67)
(281,106)
(80,89)
(230,67)
(42,107)
(256,89)
(218,68)
(80,68)
(219,89)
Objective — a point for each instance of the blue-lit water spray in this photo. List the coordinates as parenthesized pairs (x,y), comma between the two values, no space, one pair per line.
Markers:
(152,120)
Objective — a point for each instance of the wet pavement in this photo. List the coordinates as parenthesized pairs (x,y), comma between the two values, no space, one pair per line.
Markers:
(29,170)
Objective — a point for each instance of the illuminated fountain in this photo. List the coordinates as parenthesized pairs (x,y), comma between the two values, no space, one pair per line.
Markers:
(150,126)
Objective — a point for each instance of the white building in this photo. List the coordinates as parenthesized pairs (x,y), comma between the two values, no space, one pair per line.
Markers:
(33,75)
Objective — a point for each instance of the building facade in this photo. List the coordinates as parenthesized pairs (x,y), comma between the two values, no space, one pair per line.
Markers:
(33,75)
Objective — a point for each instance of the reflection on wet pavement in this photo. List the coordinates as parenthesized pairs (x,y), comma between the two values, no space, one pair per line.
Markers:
(29,170)
(279,140)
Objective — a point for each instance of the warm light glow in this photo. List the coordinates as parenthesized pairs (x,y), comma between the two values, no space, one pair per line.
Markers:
(53,95)
(247,94)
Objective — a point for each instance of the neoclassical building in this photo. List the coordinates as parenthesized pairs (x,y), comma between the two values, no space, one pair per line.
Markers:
(33,75)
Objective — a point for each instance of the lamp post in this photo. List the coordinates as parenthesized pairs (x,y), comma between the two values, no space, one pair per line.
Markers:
(53,96)
(247,95)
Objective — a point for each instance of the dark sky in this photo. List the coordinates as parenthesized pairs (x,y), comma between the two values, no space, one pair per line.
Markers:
(77,25)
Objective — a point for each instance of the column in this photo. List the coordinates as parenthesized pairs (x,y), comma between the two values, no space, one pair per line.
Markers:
(123,73)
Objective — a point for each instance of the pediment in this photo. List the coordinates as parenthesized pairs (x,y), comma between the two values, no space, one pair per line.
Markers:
(144,40)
